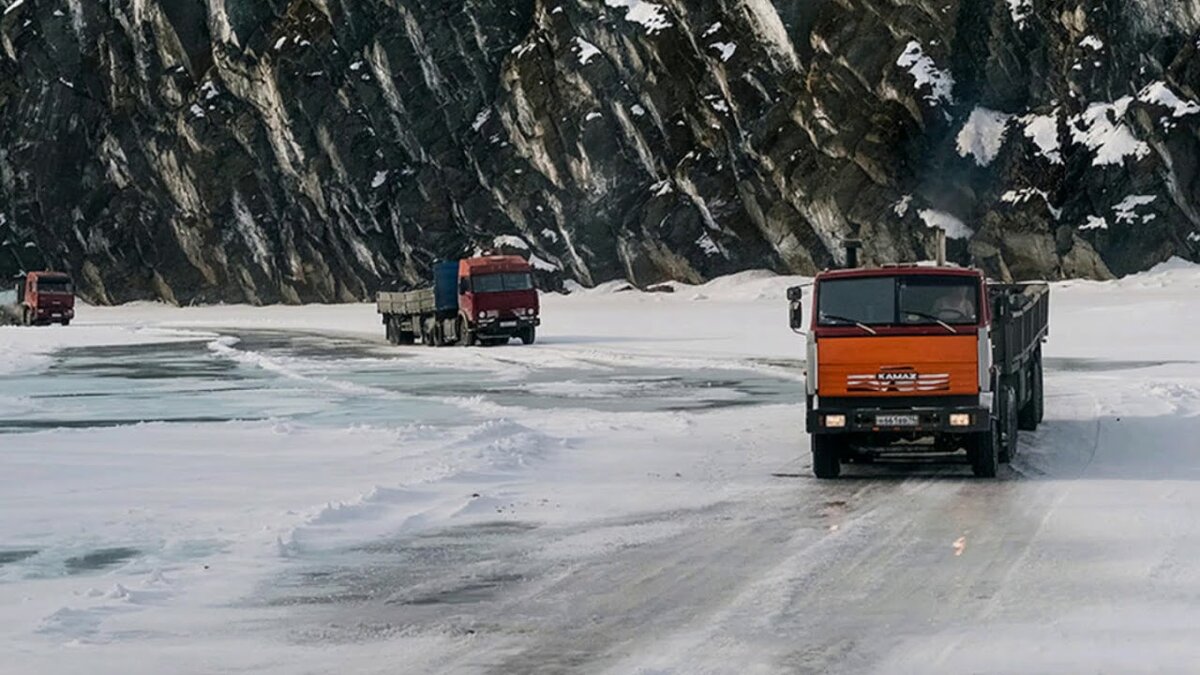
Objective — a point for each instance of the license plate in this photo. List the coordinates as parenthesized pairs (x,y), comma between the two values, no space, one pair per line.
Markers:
(897,420)
(508,324)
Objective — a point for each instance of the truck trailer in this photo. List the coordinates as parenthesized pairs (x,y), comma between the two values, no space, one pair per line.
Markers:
(39,299)
(486,300)
(915,359)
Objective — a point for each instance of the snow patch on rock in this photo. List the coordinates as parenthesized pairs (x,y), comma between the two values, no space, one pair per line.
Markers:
(982,136)
(1100,129)
(651,15)
(955,228)
(925,73)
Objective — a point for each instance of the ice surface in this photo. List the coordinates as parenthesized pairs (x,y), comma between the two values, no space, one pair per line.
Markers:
(239,489)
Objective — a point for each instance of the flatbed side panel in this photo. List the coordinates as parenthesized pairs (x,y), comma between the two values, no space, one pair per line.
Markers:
(1021,322)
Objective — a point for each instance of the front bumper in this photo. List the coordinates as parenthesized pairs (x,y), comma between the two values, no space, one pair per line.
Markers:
(930,420)
(509,326)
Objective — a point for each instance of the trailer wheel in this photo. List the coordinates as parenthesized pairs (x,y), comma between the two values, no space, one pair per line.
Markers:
(1009,424)
(826,456)
(984,451)
(1035,408)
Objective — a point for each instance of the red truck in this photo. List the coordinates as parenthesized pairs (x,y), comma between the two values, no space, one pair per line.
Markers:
(39,299)
(487,300)
(912,359)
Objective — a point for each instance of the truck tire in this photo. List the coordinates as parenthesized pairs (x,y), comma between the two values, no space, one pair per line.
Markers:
(466,336)
(984,452)
(26,317)
(389,330)
(1035,408)
(529,335)
(826,456)
(66,322)
(1009,436)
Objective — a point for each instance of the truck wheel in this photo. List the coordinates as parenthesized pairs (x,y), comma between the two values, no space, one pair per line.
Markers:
(984,451)
(26,317)
(529,335)
(466,336)
(1035,408)
(1008,423)
(826,456)
(406,338)
(66,322)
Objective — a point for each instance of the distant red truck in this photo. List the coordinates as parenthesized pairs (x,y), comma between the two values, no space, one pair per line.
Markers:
(39,299)
(487,300)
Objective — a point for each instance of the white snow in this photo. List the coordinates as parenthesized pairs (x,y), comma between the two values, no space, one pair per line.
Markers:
(1100,129)
(481,119)
(592,116)
(1126,210)
(982,136)
(585,50)
(637,110)
(955,228)
(1158,93)
(1043,131)
(901,207)
(15,4)
(650,15)
(708,32)
(379,179)
(1092,42)
(925,73)
(724,49)
(1020,11)
(1025,194)
(1094,223)
(511,241)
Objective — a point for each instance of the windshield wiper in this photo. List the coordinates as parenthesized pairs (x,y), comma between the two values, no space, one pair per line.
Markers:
(931,317)
(847,319)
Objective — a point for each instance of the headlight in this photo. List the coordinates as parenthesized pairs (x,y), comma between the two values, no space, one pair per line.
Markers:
(960,420)
(835,421)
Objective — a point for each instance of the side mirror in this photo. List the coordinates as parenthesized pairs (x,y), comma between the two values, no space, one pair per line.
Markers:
(464,286)
(796,308)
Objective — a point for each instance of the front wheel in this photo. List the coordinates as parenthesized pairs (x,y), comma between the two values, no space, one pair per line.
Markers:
(984,451)
(826,456)
(529,335)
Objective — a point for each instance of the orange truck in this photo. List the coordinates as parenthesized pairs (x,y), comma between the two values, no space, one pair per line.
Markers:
(916,359)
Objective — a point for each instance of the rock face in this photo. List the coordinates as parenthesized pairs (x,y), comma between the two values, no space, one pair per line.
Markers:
(309,150)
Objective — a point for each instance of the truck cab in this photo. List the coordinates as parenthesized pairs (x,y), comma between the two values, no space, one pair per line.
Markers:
(41,298)
(919,359)
(498,298)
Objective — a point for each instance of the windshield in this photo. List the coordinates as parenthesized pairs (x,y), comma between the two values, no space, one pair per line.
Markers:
(904,300)
(508,281)
(53,286)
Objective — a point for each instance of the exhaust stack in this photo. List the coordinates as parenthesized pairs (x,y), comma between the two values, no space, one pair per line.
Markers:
(940,244)
(852,248)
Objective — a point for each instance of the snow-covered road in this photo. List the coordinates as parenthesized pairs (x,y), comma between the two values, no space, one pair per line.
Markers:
(277,490)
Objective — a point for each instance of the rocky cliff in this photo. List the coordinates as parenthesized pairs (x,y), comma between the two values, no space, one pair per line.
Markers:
(308,150)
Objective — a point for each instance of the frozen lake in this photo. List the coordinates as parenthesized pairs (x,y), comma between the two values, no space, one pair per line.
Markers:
(220,490)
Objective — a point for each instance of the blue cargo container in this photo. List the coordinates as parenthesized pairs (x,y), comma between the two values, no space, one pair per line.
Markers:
(445,285)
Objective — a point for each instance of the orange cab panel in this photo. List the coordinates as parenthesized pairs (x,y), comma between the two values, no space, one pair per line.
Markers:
(919,365)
